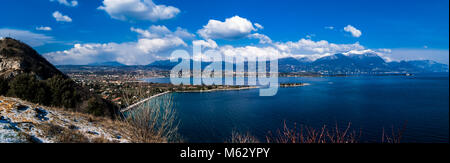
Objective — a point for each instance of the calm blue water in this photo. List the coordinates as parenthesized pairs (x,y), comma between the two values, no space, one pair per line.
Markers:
(370,103)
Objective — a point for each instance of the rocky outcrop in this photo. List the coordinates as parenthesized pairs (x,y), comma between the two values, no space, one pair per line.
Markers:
(9,67)
(17,57)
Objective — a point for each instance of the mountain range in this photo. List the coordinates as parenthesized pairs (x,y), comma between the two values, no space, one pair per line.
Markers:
(341,64)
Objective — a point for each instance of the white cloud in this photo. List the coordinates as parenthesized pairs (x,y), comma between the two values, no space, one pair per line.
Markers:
(143,33)
(438,55)
(233,28)
(157,31)
(206,44)
(307,47)
(152,45)
(329,27)
(251,52)
(138,10)
(310,36)
(259,26)
(61,18)
(300,49)
(156,46)
(183,33)
(42,28)
(72,3)
(142,52)
(159,44)
(355,32)
(32,39)
(385,50)
(91,53)
(263,39)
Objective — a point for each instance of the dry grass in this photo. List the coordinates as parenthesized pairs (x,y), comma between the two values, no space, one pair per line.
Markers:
(62,135)
(153,122)
(324,135)
(311,135)
(395,136)
(238,138)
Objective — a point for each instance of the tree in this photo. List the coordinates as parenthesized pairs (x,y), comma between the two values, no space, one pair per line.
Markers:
(27,87)
(23,86)
(63,91)
(95,107)
(43,94)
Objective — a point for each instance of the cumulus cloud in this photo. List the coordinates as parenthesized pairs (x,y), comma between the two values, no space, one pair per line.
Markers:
(32,39)
(231,29)
(263,39)
(355,32)
(206,44)
(303,48)
(90,53)
(157,31)
(152,45)
(145,10)
(142,52)
(73,3)
(306,47)
(42,28)
(61,18)
(252,52)
(159,44)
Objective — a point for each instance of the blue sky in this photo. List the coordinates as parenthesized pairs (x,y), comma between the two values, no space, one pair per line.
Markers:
(142,31)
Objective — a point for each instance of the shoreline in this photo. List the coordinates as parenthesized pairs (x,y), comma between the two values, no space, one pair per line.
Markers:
(312,76)
(131,107)
(292,86)
(217,90)
(143,101)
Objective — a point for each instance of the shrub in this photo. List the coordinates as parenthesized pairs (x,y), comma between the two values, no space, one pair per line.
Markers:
(57,91)
(62,135)
(3,86)
(95,107)
(27,87)
(239,138)
(154,122)
(310,135)
(64,92)
(22,86)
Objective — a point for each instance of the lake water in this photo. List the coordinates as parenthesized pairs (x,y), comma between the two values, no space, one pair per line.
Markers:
(370,103)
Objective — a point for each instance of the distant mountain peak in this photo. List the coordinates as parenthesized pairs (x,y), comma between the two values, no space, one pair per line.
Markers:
(343,63)
(112,63)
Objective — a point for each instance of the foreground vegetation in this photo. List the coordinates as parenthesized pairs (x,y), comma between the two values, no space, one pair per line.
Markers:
(57,91)
(324,135)
(25,122)
(154,122)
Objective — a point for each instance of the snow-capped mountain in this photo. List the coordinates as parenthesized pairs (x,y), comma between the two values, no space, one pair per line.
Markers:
(343,63)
